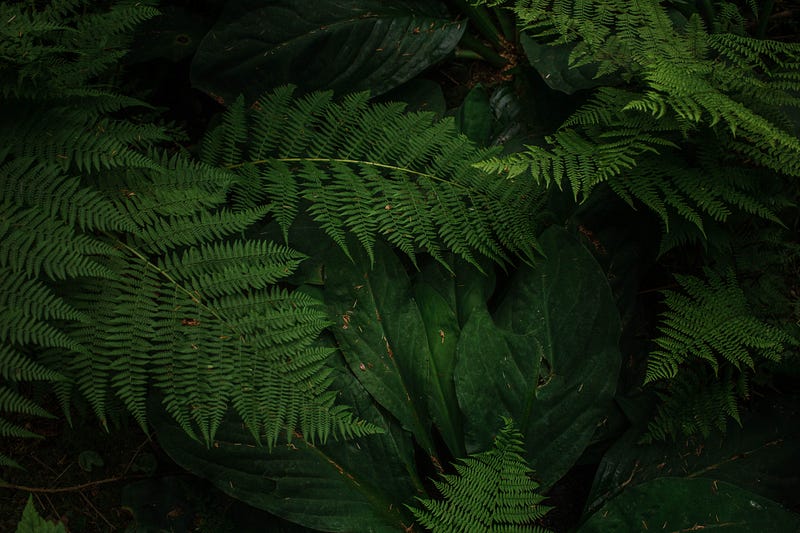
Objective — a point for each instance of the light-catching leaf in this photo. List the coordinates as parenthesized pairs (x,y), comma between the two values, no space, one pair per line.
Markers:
(322,44)
(400,348)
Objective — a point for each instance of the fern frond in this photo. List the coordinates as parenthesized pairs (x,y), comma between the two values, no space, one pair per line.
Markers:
(491,491)
(169,233)
(370,170)
(9,429)
(711,321)
(231,267)
(33,242)
(17,366)
(62,46)
(694,404)
(126,280)
(12,401)
(35,184)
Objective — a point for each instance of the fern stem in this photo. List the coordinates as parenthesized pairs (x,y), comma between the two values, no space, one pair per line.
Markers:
(166,275)
(383,166)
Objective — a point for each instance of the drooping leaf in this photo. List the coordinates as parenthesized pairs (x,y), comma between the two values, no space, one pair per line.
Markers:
(676,504)
(548,358)
(321,44)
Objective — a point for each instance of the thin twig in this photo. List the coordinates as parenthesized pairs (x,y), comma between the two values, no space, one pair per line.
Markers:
(73,488)
(64,471)
(47,466)
(98,513)
(135,455)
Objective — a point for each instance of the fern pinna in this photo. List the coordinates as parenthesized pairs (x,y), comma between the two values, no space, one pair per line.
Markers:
(372,170)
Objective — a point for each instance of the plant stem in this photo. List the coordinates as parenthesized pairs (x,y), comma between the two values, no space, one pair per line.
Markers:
(490,56)
(506,23)
(707,11)
(763,18)
(73,488)
(463,53)
(480,18)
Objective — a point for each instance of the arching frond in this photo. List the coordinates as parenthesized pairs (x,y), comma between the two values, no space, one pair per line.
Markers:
(371,170)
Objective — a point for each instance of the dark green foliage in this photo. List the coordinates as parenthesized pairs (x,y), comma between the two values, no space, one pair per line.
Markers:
(348,46)
(692,119)
(492,491)
(675,504)
(711,321)
(136,280)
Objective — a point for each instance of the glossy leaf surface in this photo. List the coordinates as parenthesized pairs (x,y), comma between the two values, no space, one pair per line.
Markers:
(760,456)
(399,347)
(345,46)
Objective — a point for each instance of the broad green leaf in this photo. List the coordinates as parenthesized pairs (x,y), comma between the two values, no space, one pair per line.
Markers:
(345,46)
(474,116)
(420,95)
(441,328)
(676,504)
(358,485)
(396,346)
(548,358)
(760,455)
(552,64)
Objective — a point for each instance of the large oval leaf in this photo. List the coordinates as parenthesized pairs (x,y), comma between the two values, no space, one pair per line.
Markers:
(359,485)
(675,504)
(321,44)
(548,358)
